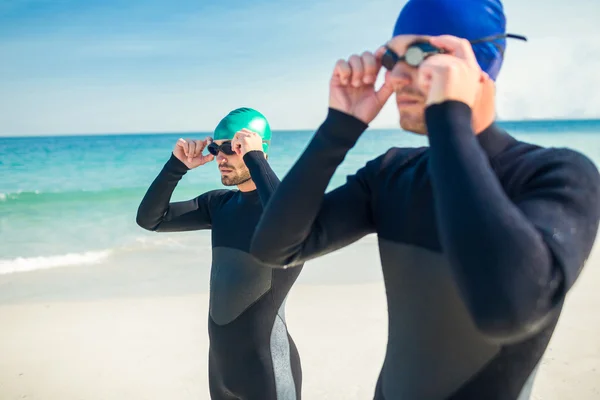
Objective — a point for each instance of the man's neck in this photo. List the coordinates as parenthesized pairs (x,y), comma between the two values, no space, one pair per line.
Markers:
(247,186)
(485,112)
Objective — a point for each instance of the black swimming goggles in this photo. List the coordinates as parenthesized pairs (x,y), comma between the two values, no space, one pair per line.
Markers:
(224,147)
(418,51)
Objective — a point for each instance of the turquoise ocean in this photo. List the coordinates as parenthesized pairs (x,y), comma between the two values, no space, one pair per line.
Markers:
(71,201)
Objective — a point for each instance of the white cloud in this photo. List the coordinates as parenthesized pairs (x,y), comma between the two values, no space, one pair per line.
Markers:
(551,78)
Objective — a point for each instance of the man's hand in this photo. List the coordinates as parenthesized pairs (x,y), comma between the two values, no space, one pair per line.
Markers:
(455,75)
(352,86)
(245,141)
(189,152)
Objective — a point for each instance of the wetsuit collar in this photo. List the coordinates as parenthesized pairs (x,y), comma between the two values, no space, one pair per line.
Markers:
(494,140)
(249,194)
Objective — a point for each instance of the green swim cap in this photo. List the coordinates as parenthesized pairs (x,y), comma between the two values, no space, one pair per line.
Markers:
(241,118)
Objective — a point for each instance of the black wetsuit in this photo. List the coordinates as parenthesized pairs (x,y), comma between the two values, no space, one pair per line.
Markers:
(251,354)
(480,237)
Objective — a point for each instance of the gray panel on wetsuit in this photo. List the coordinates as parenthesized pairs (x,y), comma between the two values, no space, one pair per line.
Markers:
(433,347)
(281,358)
(528,386)
(237,280)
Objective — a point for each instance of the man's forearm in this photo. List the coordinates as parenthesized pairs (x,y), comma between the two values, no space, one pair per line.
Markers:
(499,260)
(289,218)
(155,203)
(262,174)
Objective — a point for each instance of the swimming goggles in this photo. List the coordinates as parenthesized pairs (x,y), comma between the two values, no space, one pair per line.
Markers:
(418,51)
(224,147)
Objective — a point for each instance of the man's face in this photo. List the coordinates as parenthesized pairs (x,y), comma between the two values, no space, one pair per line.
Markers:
(410,100)
(232,167)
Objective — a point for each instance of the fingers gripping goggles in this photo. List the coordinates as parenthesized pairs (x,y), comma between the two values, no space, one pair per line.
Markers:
(418,51)
(224,148)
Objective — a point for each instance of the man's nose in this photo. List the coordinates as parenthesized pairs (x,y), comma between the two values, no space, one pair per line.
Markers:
(401,75)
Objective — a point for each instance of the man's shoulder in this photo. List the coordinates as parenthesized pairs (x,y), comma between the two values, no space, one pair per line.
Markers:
(394,158)
(217,195)
(388,163)
(544,156)
(535,160)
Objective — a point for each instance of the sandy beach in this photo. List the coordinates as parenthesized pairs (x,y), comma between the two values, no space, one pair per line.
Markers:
(123,331)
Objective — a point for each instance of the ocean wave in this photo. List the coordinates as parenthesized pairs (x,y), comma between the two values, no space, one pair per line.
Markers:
(199,242)
(37,196)
(24,264)
(83,195)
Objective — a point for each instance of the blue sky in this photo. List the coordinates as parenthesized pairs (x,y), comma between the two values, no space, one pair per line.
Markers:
(95,66)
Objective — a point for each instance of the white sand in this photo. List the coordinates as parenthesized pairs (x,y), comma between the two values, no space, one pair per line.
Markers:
(154,346)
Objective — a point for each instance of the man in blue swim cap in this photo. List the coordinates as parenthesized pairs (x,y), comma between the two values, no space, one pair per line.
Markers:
(480,235)
(459,44)
(251,354)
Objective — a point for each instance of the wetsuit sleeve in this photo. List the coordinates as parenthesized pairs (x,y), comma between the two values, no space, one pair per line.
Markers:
(156,213)
(300,221)
(262,174)
(512,260)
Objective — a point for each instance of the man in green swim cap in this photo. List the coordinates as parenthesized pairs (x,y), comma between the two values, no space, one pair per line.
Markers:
(251,354)
(243,126)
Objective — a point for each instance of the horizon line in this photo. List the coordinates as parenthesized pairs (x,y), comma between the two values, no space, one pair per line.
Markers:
(141,133)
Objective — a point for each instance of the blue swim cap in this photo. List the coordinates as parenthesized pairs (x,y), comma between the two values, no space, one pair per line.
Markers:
(468,19)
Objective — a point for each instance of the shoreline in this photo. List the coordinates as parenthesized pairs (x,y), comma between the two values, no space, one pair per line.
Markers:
(139,332)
